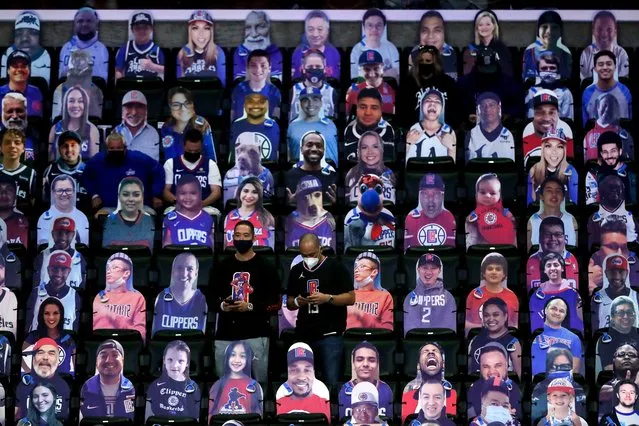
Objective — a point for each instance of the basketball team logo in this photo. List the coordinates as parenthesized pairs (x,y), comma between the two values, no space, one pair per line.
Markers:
(264,143)
(432,234)
(312,286)
(490,218)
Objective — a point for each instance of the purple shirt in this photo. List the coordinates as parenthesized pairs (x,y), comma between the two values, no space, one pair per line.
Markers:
(324,231)
(333,61)
(185,231)
(34,99)
(170,315)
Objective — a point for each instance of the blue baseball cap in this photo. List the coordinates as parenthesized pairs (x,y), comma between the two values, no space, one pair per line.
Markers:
(369,57)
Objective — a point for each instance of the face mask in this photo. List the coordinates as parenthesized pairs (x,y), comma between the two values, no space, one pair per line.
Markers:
(314,75)
(426,69)
(115,156)
(242,246)
(366,281)
(192,157)
(548,76)
(497,414)
(311,262)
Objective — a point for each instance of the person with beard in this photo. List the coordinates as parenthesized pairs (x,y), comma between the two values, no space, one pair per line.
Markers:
(431,366)
(615,283)
(430,223)
(193,162)
(140,57)
(18,72)
(605,84)
(622,328)
(604,37)
(607,120)
(371,64)
(489,138)
(246,296)
(370,160)
(119,306)
(373,307)
(58,269)
(188,224)
(316,33)
(613,241)
(610,161)
(494,329)
(311,119)
(41,404)
(431,136)
(17,223)
(256,123)
(14,116)
(139,134)
(174,394)
(103,173)
(625,367)
(44,368)
(26,37)
(365,406)
(549,38)
(86,37)
(51,325)
(12,147)
(183,117)
(486,33)
(488,76)
(429,304)
(63,203)
(365,369)
(257,35)
(108,393)
(548,78)
(552,193)
(625,412)
(492,359)
(556,334)
(432,32)
(310,215)
(75,118)
(250,207)
(368,117)
(69,163)
(374,37)
(258,80)
(495,405)
(236,392)
(302,391)
(200,57)
(612,207)
(62,238)
(181,306)
(79,75)
(314,63)
(247,163)
(545,119)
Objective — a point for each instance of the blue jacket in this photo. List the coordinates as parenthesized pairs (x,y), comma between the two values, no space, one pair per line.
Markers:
(93,403)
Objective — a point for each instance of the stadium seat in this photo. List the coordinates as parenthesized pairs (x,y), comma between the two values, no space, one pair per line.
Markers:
(130,341)
(153,90)
(170,421)
(416,168)
(246,419)
(110,421)
(208,94)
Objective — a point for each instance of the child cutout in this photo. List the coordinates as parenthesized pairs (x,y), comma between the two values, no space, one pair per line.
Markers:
(373,306)
(188,224)
(490,222)
(494,283)
(174,394)
(561,405)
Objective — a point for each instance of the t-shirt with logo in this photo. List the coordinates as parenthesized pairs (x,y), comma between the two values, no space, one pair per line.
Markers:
(549,338)
(170,398)
(264,235)
(235,396)
(266,134)
(169,314)
(324,229)
(186,231)
(124,310)
(372,309)
(420,230)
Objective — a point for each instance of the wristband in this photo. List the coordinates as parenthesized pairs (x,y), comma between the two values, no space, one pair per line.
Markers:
(295,301)
(222,306)
(250,306)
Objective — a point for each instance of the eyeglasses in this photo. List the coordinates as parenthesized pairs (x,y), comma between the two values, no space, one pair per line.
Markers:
(624,313)
(359,267)
(114,268)
(67,191)
(179,105)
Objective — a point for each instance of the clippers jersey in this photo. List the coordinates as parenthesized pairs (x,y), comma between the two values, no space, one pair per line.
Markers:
(128,59)
(17,228)
(8,311)
(24,177)
(324,230)
(169,314)
(263,235)
(186,231)
(200,171)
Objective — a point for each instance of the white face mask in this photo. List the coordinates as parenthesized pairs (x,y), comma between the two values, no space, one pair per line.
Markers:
(497,414)
(363,283)
(548,76)
(311,262)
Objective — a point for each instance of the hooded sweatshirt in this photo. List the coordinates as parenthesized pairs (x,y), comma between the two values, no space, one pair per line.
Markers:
(429,307)
(534,50)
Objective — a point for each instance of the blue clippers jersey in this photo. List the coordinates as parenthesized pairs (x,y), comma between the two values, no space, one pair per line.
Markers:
(128,58)
(201,172)
(187,231)
(171,315)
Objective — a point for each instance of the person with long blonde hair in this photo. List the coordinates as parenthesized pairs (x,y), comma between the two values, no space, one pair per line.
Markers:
(200,56)
(553,162)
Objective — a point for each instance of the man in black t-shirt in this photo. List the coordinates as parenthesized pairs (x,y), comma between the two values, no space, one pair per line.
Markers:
(246,295)
(320,288)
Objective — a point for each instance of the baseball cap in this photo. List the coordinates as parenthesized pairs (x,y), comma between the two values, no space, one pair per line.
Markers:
(545,97)
(495,384)
(18,55)
(309,92)
(364,393)
(557,134)
(64,224)
(142,18)
(299,352)
(488,95)
(201,15)
(60,258)
(110,344)
(436,92)
(27,20)
(44,342)
(486,60)
(616,261)
(308,184)
(69,134)
(429,258)
(134,96)
(431,180)
(560,385)
(370,57)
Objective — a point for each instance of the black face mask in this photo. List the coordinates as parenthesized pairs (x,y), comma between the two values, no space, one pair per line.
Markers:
(192,157)
(426,69)
(242,246)
(115,156)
